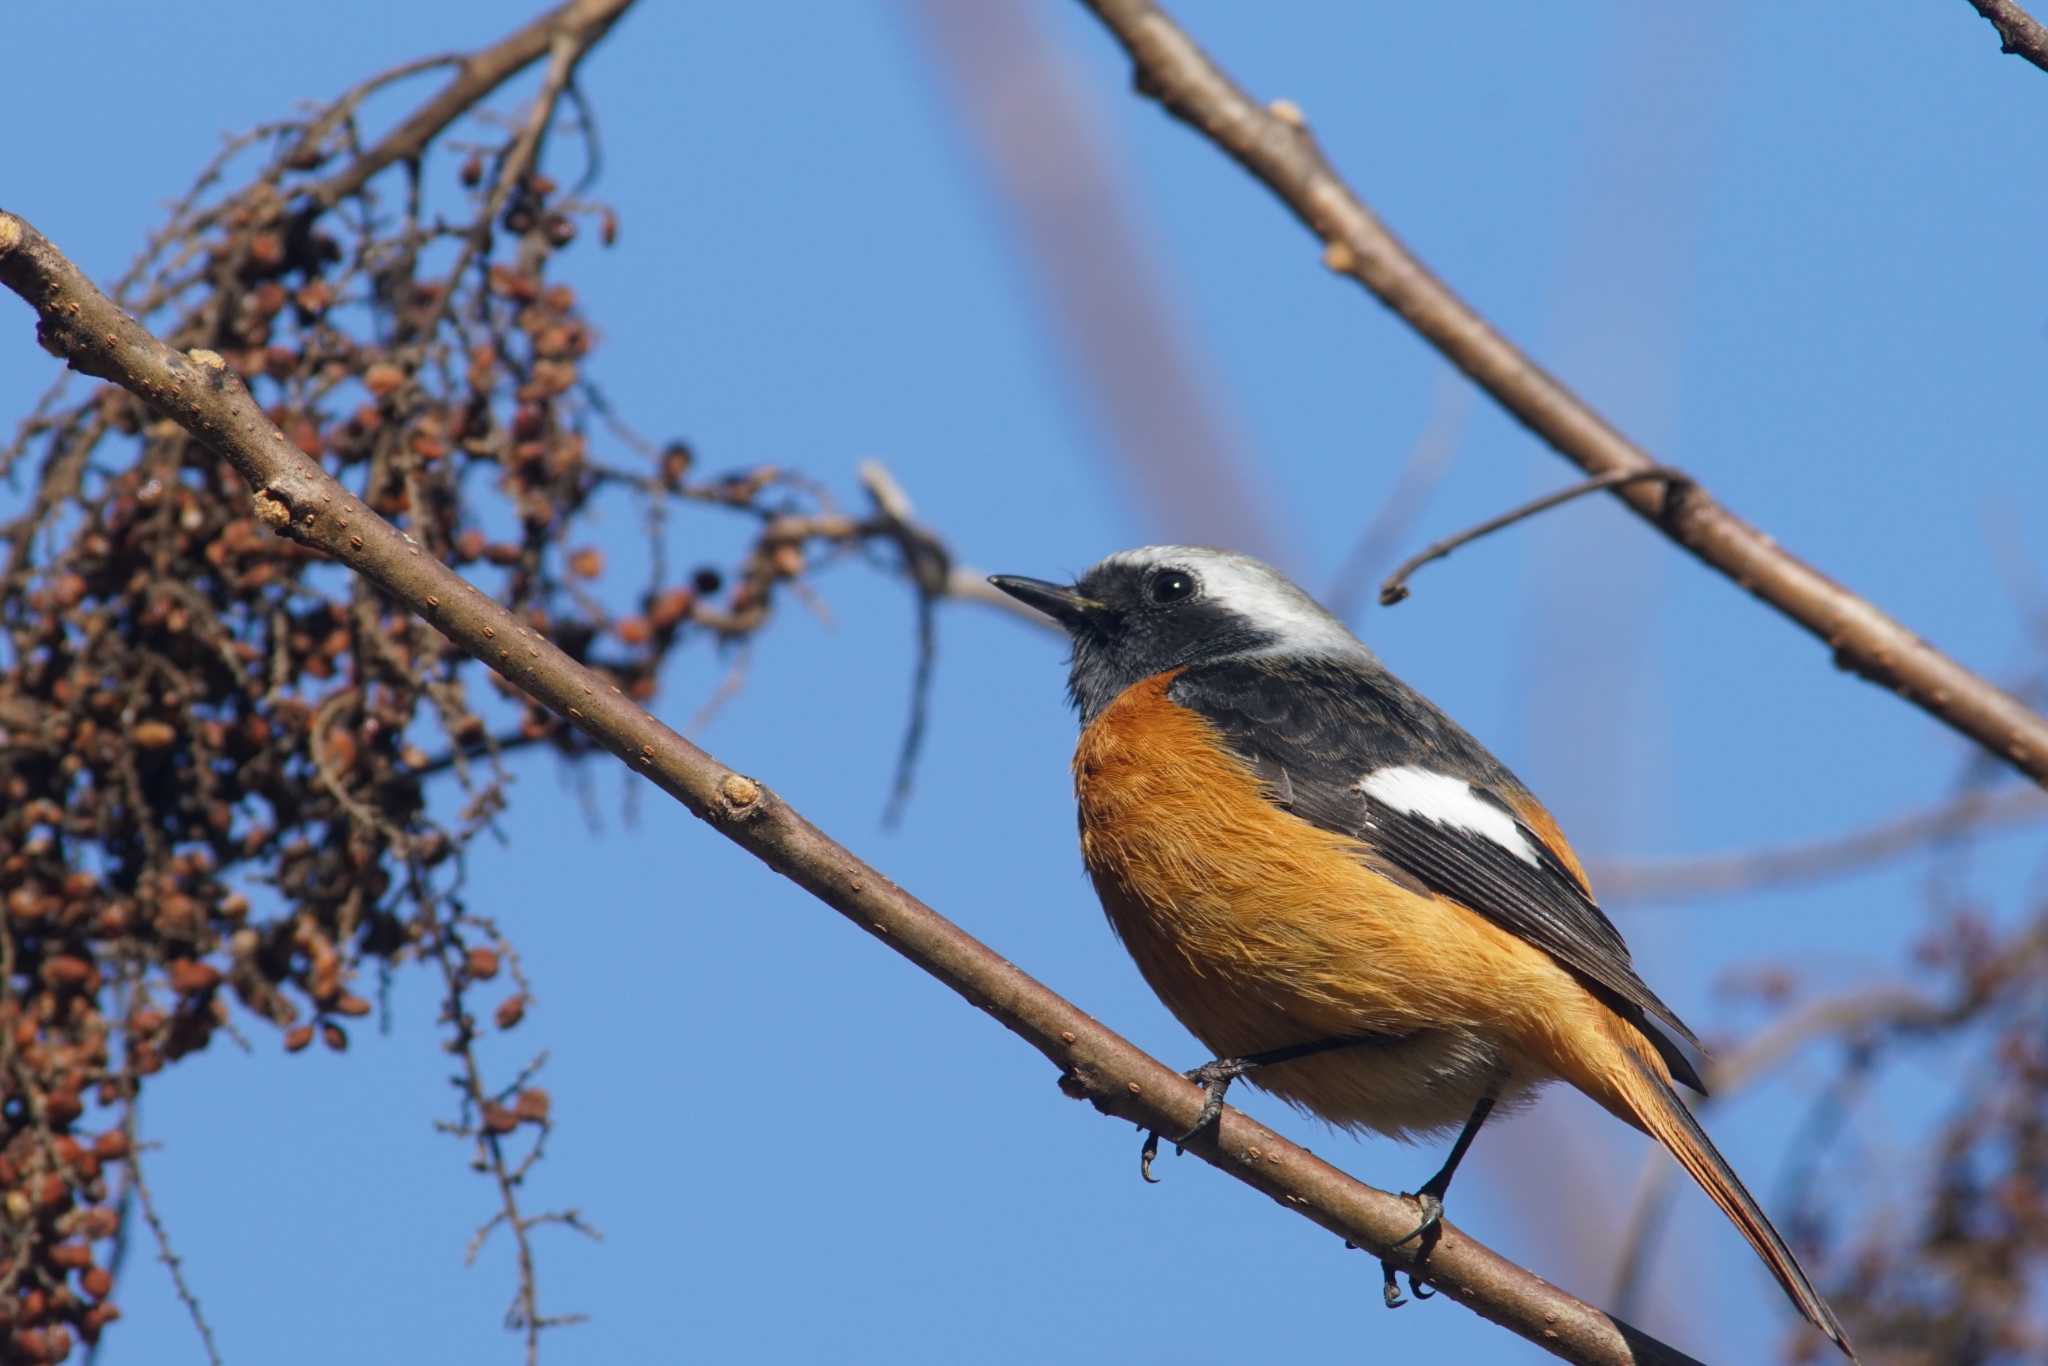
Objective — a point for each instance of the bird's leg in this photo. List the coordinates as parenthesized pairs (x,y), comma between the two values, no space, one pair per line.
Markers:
(1215,1076)
(1431,1200)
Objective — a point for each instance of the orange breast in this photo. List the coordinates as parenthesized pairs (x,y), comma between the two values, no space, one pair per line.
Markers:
(1258,929)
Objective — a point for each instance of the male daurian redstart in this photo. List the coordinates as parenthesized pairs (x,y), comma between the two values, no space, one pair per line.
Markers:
(1342,893)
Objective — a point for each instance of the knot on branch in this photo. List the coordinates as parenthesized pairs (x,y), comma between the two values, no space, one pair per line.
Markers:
(740,796)
(272,509)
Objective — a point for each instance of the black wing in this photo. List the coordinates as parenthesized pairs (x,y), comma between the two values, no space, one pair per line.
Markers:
(1315,730)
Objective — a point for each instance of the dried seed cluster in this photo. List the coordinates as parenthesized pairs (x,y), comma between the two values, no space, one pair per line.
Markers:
(216,749)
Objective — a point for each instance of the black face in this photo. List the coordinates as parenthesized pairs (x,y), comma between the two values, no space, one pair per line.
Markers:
(1130,621)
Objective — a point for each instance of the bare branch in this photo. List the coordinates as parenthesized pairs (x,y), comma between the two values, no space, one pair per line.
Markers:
(295,497)
(928,566)
(1395,589)
(579,22)
(1275,146)
(1858,851)
(165,1254)
(2019,32)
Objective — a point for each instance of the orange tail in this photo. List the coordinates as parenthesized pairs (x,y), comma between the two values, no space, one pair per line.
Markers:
(1656,1107)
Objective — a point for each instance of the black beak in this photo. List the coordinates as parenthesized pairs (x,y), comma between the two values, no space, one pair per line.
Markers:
(1062,604)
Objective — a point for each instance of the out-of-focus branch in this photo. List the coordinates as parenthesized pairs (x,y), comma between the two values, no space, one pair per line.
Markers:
(1427,461)
(1099,279)
(579,24)
(2019,32)
(1852,1016)
(296,497)
(1858,851)
(1274,144)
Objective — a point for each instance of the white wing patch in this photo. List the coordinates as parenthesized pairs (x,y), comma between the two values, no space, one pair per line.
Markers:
(1448,801)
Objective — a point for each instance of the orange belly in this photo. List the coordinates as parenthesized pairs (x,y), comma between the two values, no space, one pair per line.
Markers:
(1259,930)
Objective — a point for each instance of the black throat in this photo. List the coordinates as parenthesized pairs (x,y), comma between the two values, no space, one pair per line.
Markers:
(1106,662)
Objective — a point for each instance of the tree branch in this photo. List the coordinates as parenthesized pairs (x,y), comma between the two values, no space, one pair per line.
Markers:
(1275,146)
(299,499)
(579,23)
(2019,32)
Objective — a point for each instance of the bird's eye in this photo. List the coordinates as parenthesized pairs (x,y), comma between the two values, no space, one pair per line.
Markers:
(1171,585)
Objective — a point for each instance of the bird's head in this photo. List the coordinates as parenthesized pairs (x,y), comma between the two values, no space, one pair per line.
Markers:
(1141,612)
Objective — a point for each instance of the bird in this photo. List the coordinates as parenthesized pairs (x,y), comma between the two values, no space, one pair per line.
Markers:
(1341,893)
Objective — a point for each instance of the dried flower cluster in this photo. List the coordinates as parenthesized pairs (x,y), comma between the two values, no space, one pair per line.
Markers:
(1946,1272)
(216,749)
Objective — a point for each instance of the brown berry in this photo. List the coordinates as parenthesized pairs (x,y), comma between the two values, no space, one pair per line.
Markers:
(69,972)
(315,299)
(511,1011)
(189,976)
(152,734)
(99,1223)
(383,378)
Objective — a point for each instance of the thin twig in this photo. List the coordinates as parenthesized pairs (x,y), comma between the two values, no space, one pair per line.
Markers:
(929,568)
(585,21)
(296,497)
(172,1262)
(1395,589)
(2019,32)
(566,49)
(1273,143)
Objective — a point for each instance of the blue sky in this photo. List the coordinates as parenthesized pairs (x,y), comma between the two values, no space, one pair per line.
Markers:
(1799,258)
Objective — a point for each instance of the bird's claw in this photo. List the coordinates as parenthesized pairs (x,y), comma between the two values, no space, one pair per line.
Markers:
(1432,1207)
(1390,1287)
(1214,1078)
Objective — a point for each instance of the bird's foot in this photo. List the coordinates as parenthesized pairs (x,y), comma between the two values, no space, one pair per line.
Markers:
(1432,1206)
(1390,1288)
(1214,1078)
(1424,1235)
